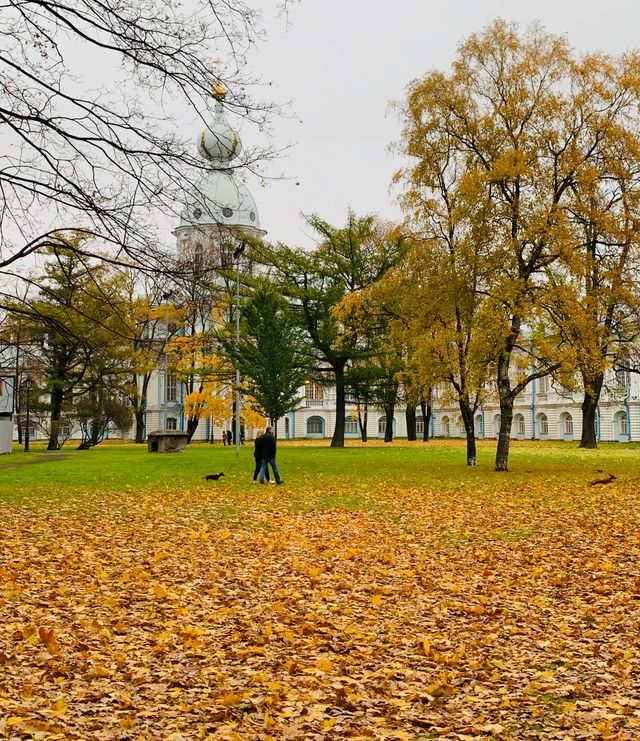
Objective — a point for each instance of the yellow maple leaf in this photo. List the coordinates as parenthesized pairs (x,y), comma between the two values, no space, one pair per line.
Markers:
(60,707)
(159,592)
(14,720)
(324,665)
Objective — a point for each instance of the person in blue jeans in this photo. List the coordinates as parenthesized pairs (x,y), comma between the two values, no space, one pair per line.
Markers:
(257,454)
(268,452)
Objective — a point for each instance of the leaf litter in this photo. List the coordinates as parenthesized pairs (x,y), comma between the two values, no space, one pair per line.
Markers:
(473,613)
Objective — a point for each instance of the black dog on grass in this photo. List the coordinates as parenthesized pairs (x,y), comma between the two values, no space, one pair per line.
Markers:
(213,476)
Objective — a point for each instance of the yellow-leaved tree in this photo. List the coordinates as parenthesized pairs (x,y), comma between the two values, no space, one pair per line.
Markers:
(516,122)
(194,362)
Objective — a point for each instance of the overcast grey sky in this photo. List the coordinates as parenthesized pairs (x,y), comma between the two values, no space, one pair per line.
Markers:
(341,62)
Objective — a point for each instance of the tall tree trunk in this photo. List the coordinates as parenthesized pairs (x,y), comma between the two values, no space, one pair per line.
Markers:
(140,426)
(97,431)
(192,426)
(506,395)
(337,441)
(362,422)
(16,390)
(389,408)
(139,403)
(589,410)
(426,419)
(504,436)
(467,418)
(56,410)
(410,416)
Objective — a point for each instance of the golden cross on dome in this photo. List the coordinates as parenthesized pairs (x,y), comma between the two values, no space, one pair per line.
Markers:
(218,90)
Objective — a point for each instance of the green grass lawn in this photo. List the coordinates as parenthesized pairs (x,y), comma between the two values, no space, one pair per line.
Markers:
(26,477)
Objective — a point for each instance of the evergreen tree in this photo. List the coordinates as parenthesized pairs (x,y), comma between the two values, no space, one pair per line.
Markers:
(345,260)
(274,360)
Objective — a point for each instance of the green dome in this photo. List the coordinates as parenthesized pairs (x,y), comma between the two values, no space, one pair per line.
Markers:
(220,199)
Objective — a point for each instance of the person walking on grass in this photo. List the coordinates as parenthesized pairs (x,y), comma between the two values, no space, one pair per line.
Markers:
(257,454)
(224,437)
(268,452)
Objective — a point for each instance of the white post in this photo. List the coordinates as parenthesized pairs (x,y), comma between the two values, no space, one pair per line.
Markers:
(236,253)
(166,296)
(237,430)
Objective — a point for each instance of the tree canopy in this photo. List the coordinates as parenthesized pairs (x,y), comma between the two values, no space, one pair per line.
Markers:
(518,124)
(273,358)
(345,260)
(105,153)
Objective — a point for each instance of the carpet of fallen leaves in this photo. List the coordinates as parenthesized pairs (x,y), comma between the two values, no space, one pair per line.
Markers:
(467,614)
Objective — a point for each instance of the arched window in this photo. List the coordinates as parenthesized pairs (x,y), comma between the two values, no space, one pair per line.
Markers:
(446,427)
(623,379)
(478,426)
(518,423)
(497,421)
(382,426)
(197,256)
(315,426)
(566,423)
(543,425)
(226,254)
(620,427)
(420,425)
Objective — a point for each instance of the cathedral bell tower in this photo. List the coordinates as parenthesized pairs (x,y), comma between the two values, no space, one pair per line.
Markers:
(219,209)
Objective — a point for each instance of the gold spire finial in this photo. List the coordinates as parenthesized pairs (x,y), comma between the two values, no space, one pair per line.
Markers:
(218,90)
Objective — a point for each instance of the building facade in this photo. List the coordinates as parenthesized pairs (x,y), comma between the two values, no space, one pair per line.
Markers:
(542,412)
(7,405)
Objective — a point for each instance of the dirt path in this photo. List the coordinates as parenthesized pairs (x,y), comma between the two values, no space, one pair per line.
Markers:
(41,458)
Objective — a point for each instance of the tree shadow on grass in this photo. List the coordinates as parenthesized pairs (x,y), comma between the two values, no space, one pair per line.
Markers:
(41,458)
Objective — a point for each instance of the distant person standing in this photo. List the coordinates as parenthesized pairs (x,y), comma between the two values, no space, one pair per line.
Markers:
(229,437)
(224,437)
(257,454)
(268,452)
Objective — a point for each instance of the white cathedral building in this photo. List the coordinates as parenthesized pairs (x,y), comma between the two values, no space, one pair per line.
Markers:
(221,209)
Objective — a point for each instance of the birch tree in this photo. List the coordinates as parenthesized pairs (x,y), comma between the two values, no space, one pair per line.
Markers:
(525,118)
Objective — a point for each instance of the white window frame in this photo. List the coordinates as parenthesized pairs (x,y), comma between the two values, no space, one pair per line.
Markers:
(172,388)
(316,421)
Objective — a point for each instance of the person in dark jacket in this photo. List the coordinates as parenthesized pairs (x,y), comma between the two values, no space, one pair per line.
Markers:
(257,454)
(268,452)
